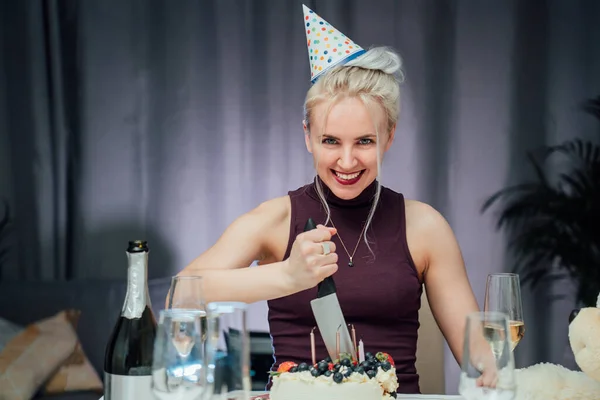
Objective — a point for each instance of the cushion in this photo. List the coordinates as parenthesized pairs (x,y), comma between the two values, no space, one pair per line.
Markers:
(8,330)
(76,372)
(32,356)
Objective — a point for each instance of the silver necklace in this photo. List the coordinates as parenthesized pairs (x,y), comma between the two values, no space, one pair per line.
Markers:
(350,262)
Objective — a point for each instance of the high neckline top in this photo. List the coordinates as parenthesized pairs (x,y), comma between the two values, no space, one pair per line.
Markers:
(380,294)
(364,199)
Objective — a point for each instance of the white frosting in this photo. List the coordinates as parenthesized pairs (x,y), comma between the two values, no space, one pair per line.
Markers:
(387,379)
(302,386)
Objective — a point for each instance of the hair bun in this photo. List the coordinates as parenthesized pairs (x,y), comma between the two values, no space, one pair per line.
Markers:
(379,58)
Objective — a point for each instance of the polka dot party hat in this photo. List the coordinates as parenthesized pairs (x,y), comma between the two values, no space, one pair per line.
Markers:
(327,47)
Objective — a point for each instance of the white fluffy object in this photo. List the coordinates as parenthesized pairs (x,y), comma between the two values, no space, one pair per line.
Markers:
(547,381)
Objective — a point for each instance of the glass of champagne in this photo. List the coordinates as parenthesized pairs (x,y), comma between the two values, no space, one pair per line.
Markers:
(227,352)
(178,369)
(186,293)
(503,294)
(487,364)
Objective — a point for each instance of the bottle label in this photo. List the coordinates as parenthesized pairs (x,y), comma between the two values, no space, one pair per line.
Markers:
(135,299)
(124,387)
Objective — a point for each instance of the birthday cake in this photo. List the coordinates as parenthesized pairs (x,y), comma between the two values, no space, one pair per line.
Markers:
(345,379)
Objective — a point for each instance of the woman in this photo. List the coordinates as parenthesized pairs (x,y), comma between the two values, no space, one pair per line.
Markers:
(380,247)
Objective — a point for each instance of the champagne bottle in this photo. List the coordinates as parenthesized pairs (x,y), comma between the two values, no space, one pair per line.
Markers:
(128,356)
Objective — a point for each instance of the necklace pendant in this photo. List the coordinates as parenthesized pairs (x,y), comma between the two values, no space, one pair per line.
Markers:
(350,263)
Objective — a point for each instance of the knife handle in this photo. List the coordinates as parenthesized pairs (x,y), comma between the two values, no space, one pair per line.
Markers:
(310,225)
(327,285)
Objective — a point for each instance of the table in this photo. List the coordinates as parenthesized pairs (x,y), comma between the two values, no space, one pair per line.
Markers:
(402,396)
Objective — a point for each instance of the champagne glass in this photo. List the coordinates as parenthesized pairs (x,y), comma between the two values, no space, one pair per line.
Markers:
(487,365)
(178,368)
(503,294)
(186,292)
(227,352)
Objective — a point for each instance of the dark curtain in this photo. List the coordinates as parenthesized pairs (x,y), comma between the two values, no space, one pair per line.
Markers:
(166,120)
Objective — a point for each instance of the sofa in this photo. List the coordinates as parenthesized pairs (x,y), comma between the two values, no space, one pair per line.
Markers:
(99,303)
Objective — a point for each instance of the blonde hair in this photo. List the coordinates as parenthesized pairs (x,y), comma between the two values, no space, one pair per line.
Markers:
(374,78)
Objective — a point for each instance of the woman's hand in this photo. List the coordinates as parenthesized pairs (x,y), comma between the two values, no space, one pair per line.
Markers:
(312,258)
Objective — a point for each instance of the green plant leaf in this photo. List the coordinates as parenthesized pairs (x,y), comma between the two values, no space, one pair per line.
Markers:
(553,221)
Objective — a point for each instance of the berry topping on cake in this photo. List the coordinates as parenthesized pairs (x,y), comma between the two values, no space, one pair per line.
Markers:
(286,366)
(382,357)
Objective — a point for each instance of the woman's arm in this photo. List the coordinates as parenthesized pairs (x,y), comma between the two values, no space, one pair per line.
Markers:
(446,282)
(225,270)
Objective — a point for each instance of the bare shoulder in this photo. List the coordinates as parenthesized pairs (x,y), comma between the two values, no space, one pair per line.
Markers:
(272,210)
(425,228)
(274,216)
(422,216)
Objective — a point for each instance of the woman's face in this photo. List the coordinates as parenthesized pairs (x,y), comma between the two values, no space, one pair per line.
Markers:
(345,149)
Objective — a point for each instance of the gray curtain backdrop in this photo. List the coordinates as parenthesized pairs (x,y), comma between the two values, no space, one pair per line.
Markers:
(166,120)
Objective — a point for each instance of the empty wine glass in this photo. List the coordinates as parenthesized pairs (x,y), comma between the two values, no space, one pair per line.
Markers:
(487,365)
(178,370)
(503,294)
(227,352)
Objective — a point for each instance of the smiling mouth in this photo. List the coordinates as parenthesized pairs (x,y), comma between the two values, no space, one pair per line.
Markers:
(346,178)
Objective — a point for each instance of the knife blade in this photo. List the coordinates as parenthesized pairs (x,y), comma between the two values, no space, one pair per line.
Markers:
(328,314)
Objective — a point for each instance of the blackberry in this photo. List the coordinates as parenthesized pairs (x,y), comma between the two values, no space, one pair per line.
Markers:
(323,366)
(302,367)
(338,377)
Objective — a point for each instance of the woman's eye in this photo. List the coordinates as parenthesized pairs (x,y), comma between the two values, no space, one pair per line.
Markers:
(366,141)
(329,141)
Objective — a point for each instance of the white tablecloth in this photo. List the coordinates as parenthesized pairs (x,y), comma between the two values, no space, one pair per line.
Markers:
(412,397)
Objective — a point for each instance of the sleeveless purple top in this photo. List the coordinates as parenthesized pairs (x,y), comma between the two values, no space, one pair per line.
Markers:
(380,295)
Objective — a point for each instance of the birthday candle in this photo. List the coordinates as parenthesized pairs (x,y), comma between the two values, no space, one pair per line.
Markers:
(312,347)
(361,351)
(353,338)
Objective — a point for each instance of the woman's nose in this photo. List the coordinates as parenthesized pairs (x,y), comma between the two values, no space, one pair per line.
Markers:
(347,161)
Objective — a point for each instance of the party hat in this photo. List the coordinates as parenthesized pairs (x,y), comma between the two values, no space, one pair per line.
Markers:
(327,47)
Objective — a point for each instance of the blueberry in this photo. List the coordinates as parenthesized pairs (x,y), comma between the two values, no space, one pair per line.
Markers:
(327,359)
(346,362)
(294,369)
(328,373)
(371,373)
(338,378)
(386,366)
(302,367)
(336,367)
(366,365)
(315,372)
(348,372)
(369,355)
(322,366)
(360,370)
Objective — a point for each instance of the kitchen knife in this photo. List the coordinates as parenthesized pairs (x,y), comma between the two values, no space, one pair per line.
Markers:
(328,315)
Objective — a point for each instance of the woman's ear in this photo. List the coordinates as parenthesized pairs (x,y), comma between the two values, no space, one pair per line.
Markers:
(307,136)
